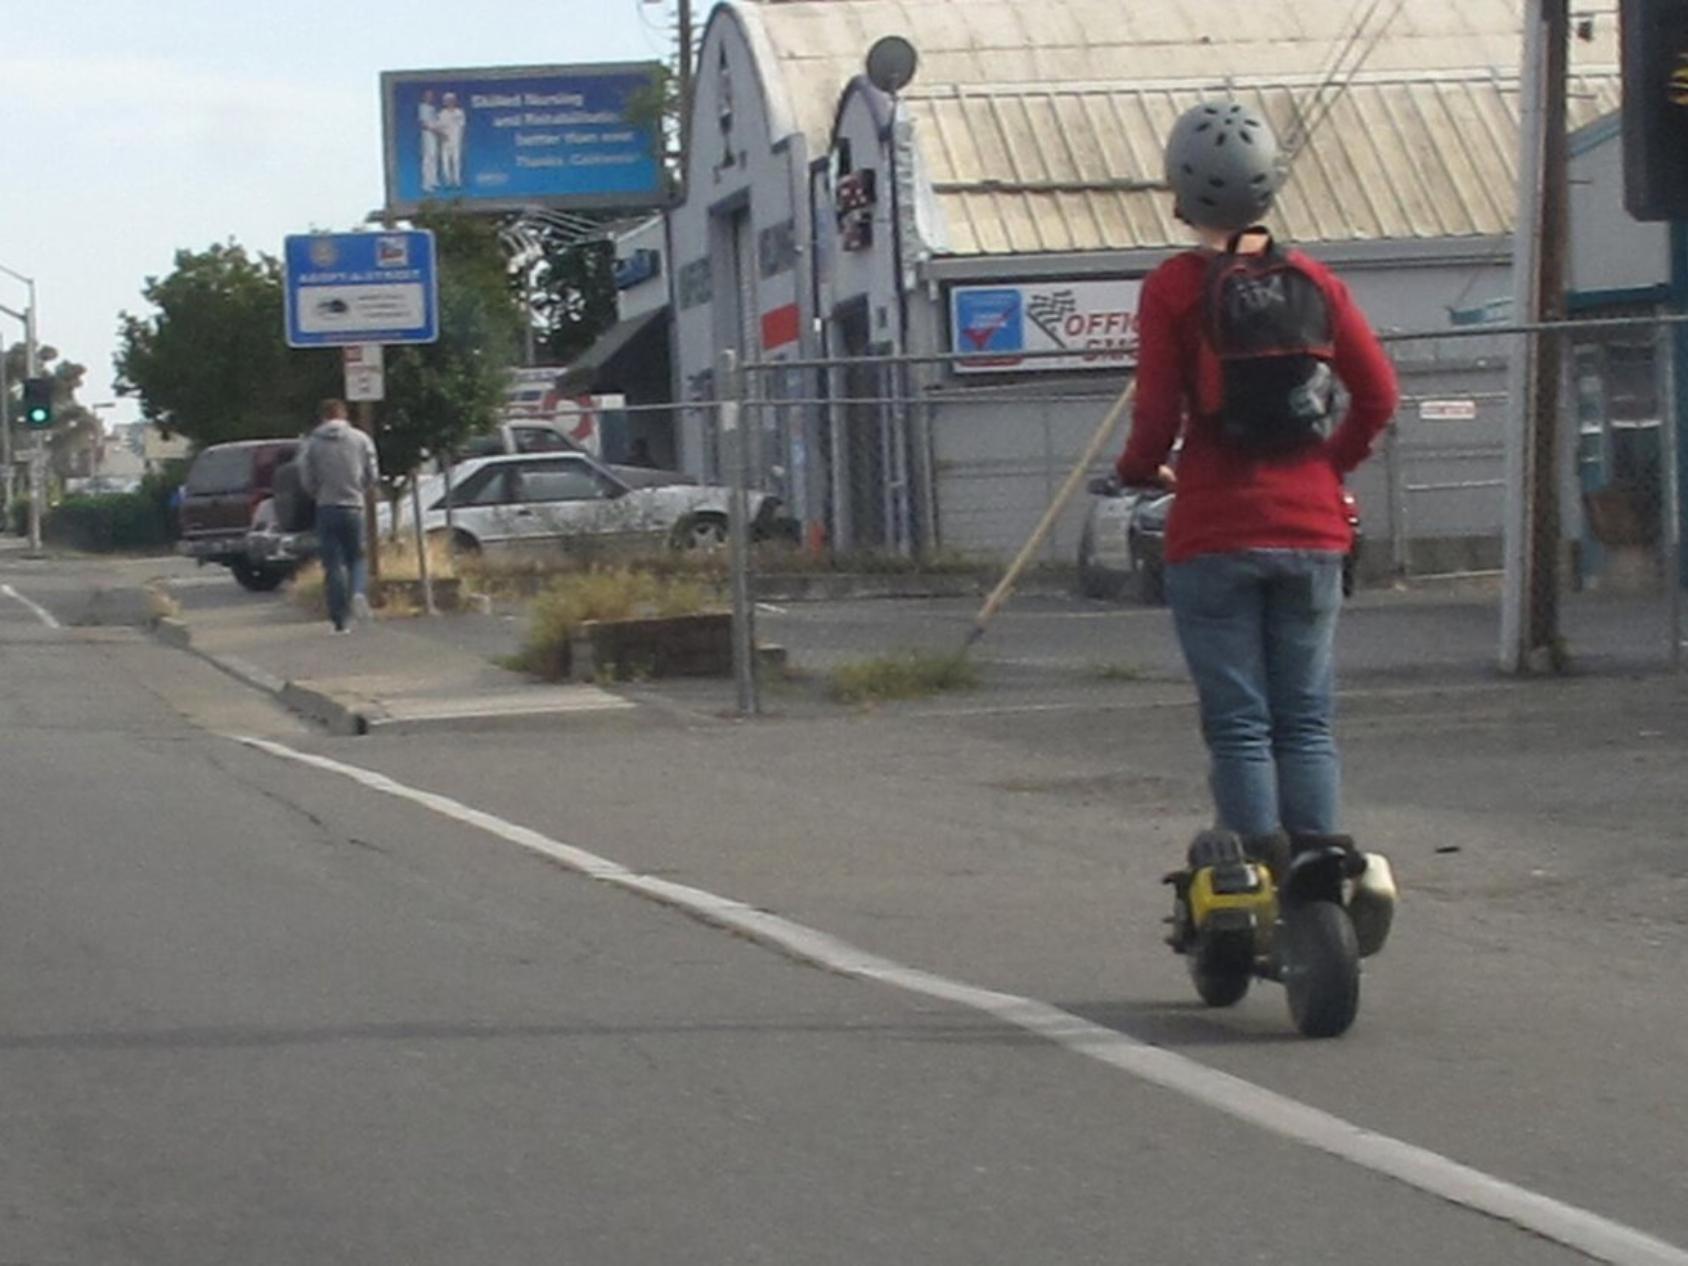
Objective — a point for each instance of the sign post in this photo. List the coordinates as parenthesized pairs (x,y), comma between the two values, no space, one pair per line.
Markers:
(358,291)
(366,375)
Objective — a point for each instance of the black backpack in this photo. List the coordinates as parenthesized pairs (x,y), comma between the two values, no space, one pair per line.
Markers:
(1268,323)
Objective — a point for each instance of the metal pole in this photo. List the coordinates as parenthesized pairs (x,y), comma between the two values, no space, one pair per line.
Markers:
(732,429)
(422,568)
(5,445)
(1397,500)
(33,362)
(371,528)
(1672,499)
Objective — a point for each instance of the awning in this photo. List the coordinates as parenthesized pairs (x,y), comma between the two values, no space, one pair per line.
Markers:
(626,352)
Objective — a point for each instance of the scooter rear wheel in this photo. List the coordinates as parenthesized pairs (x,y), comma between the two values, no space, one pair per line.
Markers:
(1319,959)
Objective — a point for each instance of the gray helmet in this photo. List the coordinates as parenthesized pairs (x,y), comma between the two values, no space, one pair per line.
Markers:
(1222,164)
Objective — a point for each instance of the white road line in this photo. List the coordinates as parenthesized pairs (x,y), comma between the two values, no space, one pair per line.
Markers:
(1427,1171)
(41,612)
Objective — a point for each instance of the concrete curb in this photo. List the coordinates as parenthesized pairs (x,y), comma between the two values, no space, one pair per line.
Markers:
(334,713)
(843,586)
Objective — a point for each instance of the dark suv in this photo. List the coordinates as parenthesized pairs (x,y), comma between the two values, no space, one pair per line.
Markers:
(225,484)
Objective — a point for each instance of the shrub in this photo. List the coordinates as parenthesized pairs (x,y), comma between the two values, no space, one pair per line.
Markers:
(105,524)
(612,594)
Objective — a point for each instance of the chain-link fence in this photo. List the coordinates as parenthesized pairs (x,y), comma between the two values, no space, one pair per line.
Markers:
(938,468)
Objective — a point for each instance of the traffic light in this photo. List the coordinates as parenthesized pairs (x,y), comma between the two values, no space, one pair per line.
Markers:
(1655,109)
(38,403)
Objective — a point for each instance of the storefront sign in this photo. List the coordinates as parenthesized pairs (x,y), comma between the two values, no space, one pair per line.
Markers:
(1094,322)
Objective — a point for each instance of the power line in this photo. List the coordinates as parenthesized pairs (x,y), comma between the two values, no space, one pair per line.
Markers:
(1305,134)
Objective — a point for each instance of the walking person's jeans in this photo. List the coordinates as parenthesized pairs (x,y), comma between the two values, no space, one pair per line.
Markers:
(1258,630)
(340,541)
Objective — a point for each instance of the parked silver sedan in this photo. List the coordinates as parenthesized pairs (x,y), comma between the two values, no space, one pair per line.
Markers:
(546,502)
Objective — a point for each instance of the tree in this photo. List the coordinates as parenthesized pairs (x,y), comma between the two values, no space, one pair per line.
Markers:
(574,295)
(212,362)
(439,394)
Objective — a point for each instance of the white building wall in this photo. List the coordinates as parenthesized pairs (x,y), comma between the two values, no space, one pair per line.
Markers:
(1002,450)
(740,246)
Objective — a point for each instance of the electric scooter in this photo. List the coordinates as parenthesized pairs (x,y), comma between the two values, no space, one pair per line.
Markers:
(1301,910)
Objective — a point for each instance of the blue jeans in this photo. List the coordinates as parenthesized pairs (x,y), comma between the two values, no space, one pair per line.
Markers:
(1258,630)
(340,540)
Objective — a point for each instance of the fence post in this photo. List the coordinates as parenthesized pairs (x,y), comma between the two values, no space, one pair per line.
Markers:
(1671,503)
(732,430)
(926,457)
(1396,478)
(838,422)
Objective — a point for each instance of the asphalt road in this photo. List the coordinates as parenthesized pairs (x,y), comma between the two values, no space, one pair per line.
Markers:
(255,1010)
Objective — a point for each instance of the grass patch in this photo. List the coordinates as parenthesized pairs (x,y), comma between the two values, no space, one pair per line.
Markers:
(619,593)
(910,675)
(308,590)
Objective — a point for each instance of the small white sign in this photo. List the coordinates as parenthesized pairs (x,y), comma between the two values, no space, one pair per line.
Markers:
(338,309)
(366,375)
(1447,410)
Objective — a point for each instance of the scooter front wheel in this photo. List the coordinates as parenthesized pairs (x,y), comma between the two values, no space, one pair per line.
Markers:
(1222,967)
(1319,960)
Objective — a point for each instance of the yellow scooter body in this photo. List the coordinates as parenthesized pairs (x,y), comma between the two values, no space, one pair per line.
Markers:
(1230,893)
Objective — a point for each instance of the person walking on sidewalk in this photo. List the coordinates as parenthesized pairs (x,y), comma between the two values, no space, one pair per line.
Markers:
(1257,532)
(338,468)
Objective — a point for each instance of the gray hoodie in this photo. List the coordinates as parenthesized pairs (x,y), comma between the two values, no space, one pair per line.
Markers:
(338,464)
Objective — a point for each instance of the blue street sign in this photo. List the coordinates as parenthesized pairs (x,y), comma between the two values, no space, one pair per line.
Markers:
(349,288)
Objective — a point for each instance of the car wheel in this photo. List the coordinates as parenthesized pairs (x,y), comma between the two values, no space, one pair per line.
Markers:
(701,532)
(259,579)
(1348,569)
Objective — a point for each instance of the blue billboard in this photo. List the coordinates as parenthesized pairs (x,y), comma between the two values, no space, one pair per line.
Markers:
(510,137)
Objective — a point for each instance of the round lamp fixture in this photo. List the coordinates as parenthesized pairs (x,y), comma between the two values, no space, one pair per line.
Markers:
(891,64)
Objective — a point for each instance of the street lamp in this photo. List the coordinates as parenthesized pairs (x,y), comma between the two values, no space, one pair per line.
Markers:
(31,368)
(891,64)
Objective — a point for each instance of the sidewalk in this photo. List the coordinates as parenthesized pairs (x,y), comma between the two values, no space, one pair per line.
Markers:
(387,676)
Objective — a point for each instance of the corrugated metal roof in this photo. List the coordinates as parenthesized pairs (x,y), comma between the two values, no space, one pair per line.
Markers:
(1077,167)
(820,44)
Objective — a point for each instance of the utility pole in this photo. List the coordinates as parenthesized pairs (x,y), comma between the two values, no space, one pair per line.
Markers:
(1530,636)
(685,77)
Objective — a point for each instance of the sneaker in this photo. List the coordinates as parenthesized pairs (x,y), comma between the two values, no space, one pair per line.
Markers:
(360,609)
(340,630)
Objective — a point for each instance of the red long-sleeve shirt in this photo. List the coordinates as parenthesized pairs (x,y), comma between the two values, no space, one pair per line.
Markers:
(1229,500)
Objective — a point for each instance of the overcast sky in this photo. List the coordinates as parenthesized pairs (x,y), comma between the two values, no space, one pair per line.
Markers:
(132,128)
